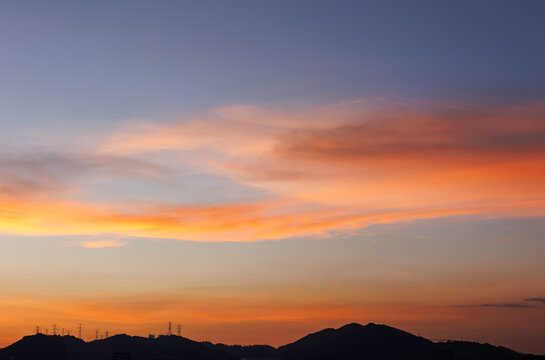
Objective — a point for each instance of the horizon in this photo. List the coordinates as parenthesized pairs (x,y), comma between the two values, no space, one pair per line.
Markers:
(100,336)
(258,170)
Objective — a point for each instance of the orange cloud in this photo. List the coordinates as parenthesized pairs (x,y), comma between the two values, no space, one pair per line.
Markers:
(97,244)
(337,167)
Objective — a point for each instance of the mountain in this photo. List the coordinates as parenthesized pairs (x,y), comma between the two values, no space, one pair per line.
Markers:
(351,342)
(55,347)
(459,350)
(355,341)
(374,342)
(248,351)
(42,347)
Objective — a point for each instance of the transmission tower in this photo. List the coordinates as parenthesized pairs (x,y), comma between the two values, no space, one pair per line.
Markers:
(37,328)
(169,328)
(55,329)
(106,334)
(179,330)
(79,330)
(96,334)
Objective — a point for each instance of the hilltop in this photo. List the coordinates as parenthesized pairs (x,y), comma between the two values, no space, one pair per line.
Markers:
(352,341)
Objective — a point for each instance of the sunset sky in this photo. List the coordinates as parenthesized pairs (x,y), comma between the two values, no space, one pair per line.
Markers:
(257,170)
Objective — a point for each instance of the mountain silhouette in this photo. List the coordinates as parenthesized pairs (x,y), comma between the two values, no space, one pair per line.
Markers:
(42,347)
(354,341)
(248,351)
(55,347)
(374,342)
(351,342)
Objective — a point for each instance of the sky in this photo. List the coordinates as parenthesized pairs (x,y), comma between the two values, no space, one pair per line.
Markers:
(256,171)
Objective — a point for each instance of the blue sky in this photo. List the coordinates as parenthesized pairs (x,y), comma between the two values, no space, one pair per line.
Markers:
(104,62)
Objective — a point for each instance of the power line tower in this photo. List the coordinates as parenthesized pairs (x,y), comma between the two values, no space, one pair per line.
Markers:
(55,328)
(106,334)
(37,328)
(169,328)
(96,334)
(79,330)
(62,331)
(179,330)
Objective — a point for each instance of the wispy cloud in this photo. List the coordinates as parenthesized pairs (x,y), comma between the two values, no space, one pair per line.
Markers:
(508,305)
(517,305)
(33,174)
(537,299)
(336,167)
(501,305)
(107,243)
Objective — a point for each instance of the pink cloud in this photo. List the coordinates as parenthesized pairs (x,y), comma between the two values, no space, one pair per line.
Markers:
(336,167)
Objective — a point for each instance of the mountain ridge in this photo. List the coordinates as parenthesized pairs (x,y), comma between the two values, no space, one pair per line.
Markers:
(351,341)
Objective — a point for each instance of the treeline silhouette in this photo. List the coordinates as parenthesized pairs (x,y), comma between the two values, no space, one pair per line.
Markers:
(352,341)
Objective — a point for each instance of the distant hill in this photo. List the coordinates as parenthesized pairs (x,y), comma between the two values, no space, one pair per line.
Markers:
(351,342)
(54,347)
(374,342)
(248,351)
(42,347)
(355,341)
